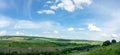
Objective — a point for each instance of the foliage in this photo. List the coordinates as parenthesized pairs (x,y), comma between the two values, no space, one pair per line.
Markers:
(25,45)
(113,49)
(106,43)
(113,41)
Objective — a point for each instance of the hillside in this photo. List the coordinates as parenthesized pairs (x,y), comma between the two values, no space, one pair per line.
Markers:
(36,39)
(27,45)
(113,49)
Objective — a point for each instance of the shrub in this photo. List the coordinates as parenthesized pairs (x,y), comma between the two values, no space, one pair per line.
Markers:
(113,41)
(106,43)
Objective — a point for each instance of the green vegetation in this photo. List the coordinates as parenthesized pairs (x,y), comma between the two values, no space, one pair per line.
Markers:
(113,41)
(112,48)
(106,43)
(28,45)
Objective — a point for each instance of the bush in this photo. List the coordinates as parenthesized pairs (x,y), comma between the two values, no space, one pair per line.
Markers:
(113,41)
(106,43)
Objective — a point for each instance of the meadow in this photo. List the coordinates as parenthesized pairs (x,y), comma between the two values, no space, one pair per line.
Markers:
(31,45)
(112,49)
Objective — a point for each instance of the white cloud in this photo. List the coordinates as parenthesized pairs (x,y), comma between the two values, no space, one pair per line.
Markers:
(114,35)
(78,3)
(56,32)
(43,25)
(92,27)
(104,35)
(19,33)
(70,29)
(35,35)
(113,24)
(70,5)
(46,32)
(4,21)
(67,5)
(46,12)
(3,32)
(81,29)
(25,24)
(18,24)
(53,32)
(54,7)
(49,2)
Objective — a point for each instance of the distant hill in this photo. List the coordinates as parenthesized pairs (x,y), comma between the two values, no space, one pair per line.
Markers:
(44,39)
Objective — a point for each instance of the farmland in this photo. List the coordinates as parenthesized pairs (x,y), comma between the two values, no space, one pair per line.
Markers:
(26,45)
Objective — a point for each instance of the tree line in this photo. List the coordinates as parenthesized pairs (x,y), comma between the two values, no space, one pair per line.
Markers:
(108,42)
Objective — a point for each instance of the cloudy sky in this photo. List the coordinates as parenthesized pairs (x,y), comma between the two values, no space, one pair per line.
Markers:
(69,19)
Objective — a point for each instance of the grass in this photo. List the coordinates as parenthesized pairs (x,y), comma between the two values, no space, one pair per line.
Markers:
(78,53)
(33,44)
(57,46)
(109,50)
(113,49)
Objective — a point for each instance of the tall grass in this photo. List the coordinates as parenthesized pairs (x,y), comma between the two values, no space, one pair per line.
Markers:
(113,49)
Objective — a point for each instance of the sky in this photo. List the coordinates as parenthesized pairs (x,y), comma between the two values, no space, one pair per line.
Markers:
(67,19)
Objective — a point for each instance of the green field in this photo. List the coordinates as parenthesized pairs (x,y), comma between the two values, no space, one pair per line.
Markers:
(113,49)
(26,45)
(31,45)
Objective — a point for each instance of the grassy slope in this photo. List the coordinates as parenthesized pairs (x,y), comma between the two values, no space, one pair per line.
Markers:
(28,43)
(109,50)
(113,49)
(43,39)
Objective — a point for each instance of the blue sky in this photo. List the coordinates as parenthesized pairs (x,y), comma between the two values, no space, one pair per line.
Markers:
(69,19)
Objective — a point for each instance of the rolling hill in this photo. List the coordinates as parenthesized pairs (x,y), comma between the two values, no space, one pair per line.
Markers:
(113,49)
(40,45)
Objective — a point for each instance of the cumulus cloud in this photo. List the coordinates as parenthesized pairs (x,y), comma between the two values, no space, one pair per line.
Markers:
(70,29)
(67,5)
(70,5)
(78,3)
(46,12)
(92,27)
(3,32)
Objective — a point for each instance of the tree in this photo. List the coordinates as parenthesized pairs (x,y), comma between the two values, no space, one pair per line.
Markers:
(106,43)
(113,41)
